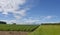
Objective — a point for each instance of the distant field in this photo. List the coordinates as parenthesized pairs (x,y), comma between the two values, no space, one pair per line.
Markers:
(9,27)
(47,30)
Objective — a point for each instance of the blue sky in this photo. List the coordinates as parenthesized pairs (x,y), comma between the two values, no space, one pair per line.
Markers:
(30,11)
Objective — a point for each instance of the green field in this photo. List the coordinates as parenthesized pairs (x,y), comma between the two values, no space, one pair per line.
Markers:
(11,27)
(47,30)
(32,29)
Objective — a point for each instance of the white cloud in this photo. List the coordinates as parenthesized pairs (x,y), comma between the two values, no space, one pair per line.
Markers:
(20,14)
(29,21)
(47,17)
(38,20)
(32,20)
(12,6)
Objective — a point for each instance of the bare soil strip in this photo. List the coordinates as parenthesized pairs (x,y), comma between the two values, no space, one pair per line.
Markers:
(13,33)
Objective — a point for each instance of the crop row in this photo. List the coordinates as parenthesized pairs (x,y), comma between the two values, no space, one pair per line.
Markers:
(7,27)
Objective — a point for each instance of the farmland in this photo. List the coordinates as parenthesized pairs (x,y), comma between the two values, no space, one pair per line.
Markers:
(13,29)
(43,29)
(10,27)
(47,30)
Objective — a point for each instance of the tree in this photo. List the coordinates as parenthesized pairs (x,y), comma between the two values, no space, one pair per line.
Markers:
(14,23)
(2,22)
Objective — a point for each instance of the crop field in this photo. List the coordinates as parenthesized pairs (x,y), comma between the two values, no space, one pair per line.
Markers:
(32,29)
(9,27)
(47,30)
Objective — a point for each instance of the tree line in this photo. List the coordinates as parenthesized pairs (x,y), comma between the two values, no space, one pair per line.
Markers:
(50,23)
(2,22)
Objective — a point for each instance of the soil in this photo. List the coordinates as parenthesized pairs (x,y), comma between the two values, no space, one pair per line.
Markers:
(13,33)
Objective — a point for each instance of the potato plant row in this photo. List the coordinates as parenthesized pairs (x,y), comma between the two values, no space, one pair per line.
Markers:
(9,27)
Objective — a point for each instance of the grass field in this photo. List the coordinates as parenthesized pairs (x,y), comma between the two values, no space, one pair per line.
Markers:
(47,30)
(9,27)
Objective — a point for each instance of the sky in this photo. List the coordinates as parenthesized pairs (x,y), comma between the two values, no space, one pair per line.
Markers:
(30,11)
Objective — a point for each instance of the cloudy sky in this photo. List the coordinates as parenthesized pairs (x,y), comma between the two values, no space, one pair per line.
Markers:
(29,11)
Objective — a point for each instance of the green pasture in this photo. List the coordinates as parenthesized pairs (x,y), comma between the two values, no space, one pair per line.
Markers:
(47,30)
